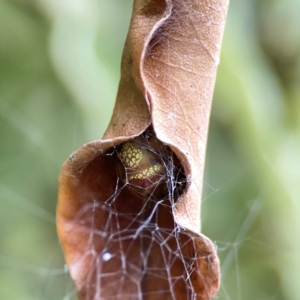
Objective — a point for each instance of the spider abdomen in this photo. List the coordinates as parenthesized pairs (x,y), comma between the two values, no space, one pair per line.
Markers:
(141,167)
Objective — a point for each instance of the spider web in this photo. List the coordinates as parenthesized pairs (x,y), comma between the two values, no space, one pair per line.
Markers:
(46,278)
(132,248)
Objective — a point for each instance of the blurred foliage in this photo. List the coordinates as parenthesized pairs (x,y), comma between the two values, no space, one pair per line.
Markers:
(59,72)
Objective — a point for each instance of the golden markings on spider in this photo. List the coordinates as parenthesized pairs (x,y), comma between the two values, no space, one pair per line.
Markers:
(130,155)
(156,169)
(141,166)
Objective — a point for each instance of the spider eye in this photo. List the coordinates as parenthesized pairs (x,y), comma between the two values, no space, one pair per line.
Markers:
(140,166)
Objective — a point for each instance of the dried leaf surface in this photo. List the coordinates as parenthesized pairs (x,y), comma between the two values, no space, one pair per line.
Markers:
(116,245)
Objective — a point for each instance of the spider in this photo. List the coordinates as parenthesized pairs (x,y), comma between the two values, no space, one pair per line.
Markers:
(149,167)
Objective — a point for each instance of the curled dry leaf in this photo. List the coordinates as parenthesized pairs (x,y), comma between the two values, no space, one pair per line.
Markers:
(129,205)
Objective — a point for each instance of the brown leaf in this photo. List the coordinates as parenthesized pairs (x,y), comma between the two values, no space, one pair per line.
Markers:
(133,233)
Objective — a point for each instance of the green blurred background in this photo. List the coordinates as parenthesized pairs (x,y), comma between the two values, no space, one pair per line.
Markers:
(59,72)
